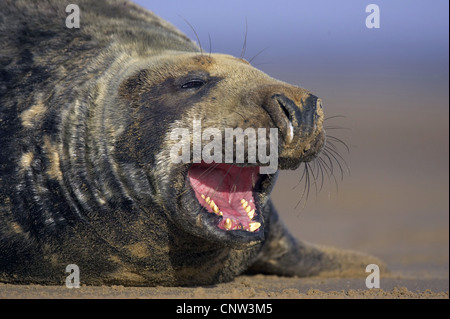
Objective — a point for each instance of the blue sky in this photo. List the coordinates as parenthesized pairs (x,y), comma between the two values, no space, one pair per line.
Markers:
(317,43)
(312,26)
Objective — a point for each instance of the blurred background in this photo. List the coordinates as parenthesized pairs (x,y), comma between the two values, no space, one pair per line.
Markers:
(391,86)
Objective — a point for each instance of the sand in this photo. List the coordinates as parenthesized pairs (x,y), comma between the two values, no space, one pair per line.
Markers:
(249,287)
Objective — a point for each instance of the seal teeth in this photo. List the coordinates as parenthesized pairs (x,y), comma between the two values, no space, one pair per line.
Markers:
(212,205)
(251,214)
(254,226)
(227,224)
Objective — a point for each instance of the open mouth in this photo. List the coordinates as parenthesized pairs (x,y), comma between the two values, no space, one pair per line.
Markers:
(228,191)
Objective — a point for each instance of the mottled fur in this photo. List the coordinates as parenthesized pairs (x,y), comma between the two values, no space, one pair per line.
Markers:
(84,171)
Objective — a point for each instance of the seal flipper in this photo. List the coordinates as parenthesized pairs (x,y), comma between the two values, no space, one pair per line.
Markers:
(284,255)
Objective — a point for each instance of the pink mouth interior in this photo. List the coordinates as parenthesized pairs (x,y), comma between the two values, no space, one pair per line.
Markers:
(227,185)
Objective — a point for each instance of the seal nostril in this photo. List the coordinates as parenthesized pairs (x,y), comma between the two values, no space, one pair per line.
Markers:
(288,116)
(286,112)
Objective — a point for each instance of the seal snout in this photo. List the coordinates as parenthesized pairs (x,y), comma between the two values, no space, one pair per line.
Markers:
(298,115)
(294,121)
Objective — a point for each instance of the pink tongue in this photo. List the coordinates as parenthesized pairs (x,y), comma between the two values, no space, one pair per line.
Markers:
(226,185)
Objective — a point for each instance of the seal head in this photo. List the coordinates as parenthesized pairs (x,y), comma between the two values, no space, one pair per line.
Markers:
(219,201)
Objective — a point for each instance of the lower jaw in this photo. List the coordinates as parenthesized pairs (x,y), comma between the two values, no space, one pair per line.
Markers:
(205,226)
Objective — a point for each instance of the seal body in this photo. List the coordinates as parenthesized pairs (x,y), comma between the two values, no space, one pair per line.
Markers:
(87,117)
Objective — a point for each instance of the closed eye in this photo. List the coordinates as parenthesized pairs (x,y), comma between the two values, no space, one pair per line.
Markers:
(193,84)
